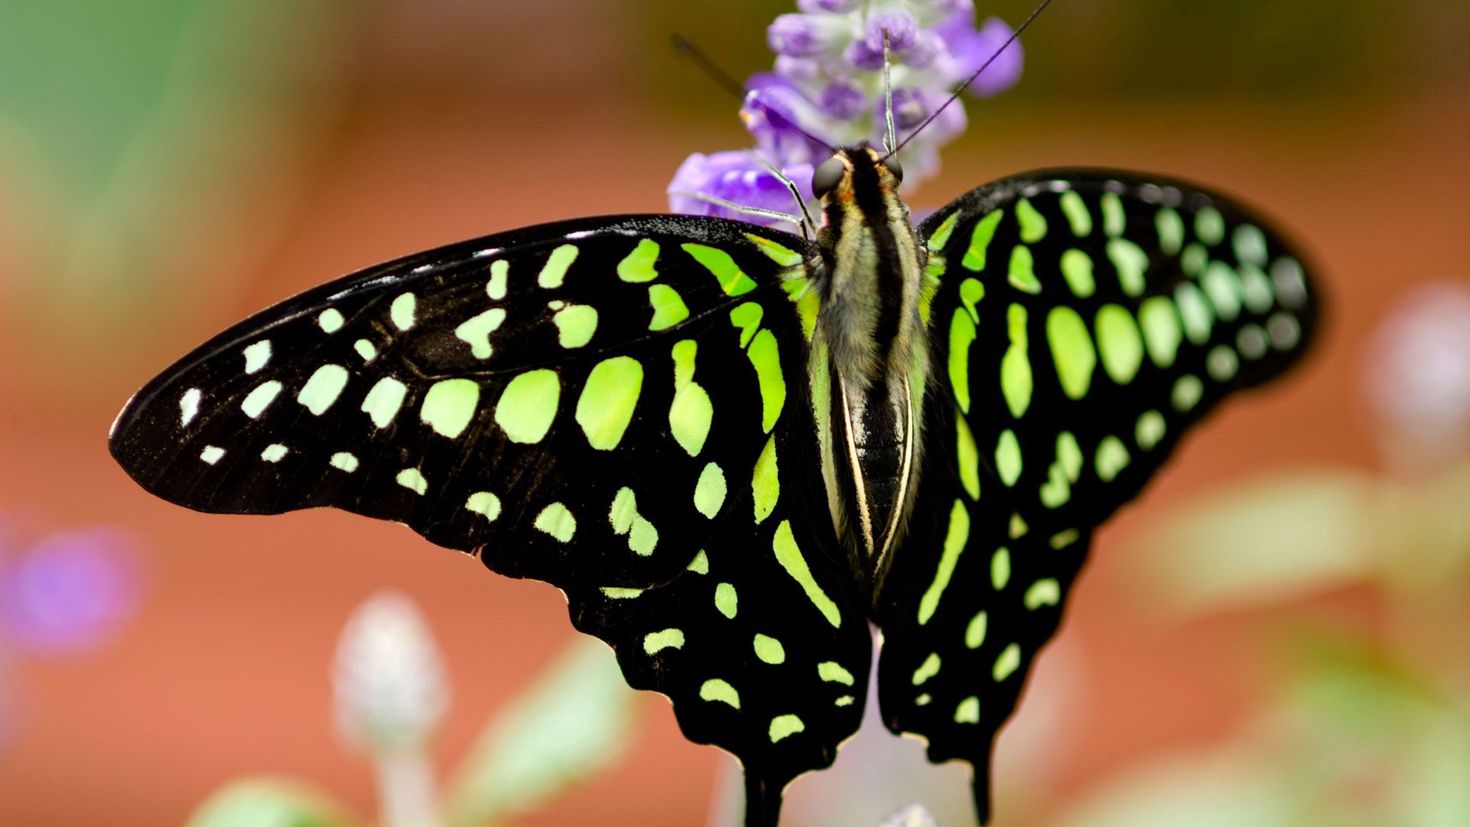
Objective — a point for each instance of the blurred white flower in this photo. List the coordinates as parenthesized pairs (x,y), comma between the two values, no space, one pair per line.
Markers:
(388,680)
(390,692)
(913,815)
(1418,374)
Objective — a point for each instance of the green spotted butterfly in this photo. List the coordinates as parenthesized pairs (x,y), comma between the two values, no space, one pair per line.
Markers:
(737,451)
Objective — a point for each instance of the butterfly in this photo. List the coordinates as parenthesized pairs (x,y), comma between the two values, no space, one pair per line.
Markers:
(739,451)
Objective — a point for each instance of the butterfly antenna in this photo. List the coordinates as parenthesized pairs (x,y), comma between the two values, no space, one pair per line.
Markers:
(686,48)
(971,79)
(890,135)
(724,80)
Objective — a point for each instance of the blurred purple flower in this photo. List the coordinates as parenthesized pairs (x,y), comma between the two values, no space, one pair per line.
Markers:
(69,592)
(970,49)
(824,92)
(733,176)
(1418,373)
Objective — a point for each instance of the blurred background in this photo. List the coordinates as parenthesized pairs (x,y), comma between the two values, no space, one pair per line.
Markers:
(1275,634)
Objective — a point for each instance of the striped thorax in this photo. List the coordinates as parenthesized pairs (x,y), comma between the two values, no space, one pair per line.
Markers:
(870,357)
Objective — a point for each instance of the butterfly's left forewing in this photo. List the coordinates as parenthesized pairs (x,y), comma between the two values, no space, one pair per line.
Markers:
(1080,322)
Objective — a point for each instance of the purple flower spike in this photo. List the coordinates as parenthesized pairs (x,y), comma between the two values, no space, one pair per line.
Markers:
(901,28)
(804,35)
(972,48)
(826,86)
(70,591)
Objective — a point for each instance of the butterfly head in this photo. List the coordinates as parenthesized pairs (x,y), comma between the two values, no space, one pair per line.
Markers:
(855,173)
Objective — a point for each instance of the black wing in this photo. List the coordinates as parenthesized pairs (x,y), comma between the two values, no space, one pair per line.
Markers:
(1081,323)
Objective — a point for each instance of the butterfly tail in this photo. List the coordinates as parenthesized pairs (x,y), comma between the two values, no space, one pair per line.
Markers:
(762,800)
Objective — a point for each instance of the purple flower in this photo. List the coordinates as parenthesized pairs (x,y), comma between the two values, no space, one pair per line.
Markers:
(825,91)
(900,27)
(70,591)
(804,35)
(738,177)
(909,107)
(970,49)
(843,100)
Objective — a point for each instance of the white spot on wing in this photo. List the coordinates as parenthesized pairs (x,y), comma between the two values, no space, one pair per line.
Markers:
(257,355)
(189,405)
(330,320)
(274,452)
(259,399)
(211,454)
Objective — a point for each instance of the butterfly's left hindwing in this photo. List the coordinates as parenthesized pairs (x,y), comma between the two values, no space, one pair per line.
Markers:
(1080,323)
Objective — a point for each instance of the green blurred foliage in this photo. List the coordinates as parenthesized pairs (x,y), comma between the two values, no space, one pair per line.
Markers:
(574,722)
(276,802)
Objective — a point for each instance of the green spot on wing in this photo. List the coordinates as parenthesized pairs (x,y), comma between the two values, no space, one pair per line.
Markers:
(557,520)
(1077,270)
(668,307)
(1007,664)
(782,255)
(1022,272)
(1077,215)
(555,270)
(655,642)
(1008,457)
(980,238)
(967,457)
(765,356)
(747,317)
(731,278)
(833,672)
(1015,366)
(449,405)
(791,559)
(783,726)
(1161,331)
(528,405)
(961,335)
(1170,228)
(1033,223)
(1131,262)
(716,689)
(769,650)
(637,266)
(1047,592)
(975,631)
(726,600)
(928,669)
(606,406)
(955,538)
(1119,343)
(941,234)
(575,325)
(709,492)
(765,482)
(1071,350)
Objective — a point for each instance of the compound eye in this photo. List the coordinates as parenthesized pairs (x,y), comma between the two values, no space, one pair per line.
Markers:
(826,176)
(894,167)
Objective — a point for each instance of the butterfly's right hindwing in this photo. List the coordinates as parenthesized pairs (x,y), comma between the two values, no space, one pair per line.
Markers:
(559,397)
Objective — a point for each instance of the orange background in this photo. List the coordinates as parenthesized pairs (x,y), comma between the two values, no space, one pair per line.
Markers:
(420,125)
